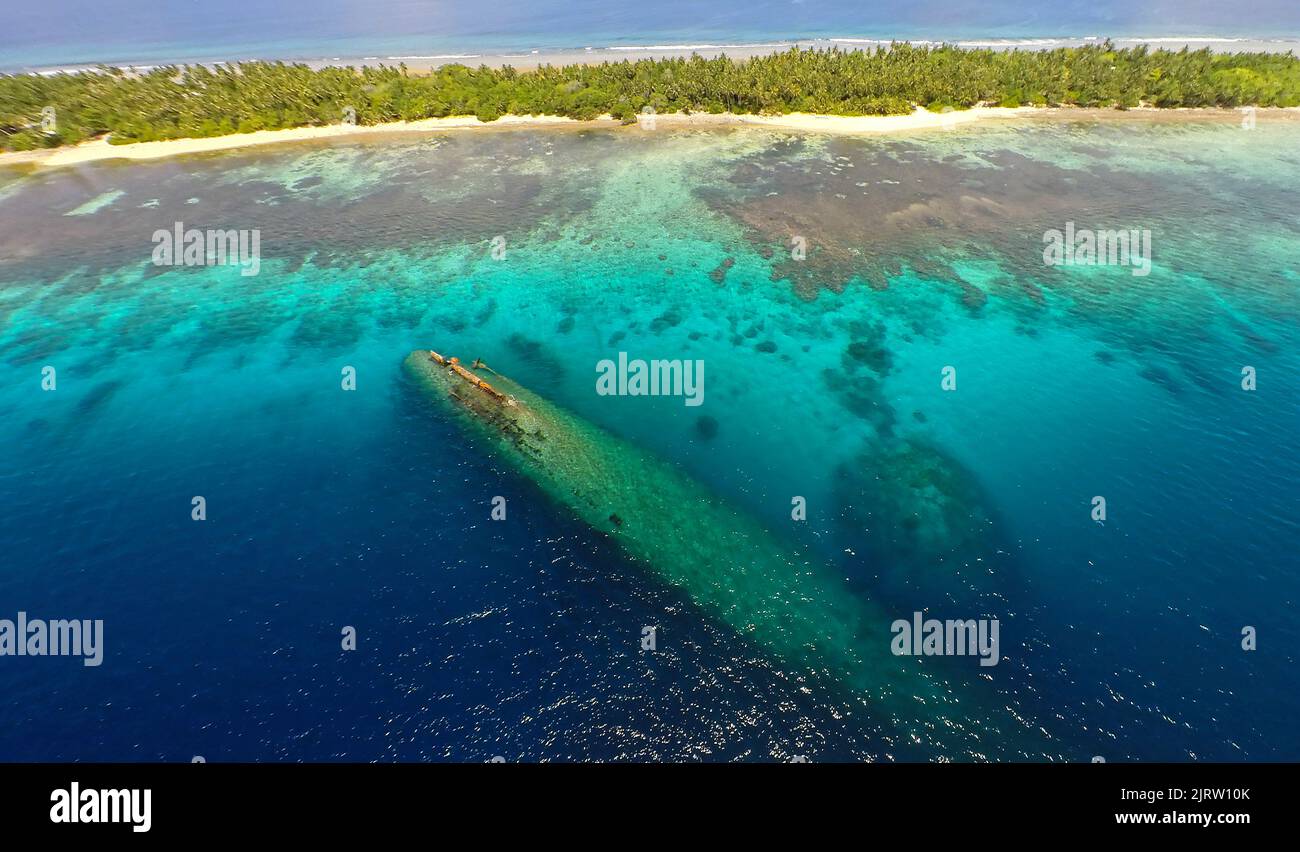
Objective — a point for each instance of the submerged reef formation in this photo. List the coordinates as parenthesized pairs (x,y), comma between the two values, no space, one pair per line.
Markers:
(918,526)
(834,212)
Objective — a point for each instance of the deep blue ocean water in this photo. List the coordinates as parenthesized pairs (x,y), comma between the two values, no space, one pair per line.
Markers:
(330,508)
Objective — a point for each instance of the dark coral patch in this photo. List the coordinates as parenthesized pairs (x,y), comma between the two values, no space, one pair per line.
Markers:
(719,274)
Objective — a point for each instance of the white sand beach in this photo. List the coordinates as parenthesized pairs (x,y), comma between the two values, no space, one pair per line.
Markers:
(921,119)
(100,149)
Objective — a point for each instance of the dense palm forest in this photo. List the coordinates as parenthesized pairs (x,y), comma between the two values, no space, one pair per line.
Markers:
(174,102)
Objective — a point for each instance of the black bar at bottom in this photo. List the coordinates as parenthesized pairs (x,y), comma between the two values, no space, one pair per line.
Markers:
(214,800)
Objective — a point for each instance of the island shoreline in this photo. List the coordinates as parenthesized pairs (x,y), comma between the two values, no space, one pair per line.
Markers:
(100,150)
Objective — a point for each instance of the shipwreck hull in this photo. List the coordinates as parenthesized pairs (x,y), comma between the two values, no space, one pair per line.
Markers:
(726,562)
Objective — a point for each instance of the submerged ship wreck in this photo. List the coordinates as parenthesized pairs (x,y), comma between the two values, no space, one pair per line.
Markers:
(729,565)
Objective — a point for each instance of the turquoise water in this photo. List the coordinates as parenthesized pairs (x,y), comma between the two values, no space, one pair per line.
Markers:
(329,507)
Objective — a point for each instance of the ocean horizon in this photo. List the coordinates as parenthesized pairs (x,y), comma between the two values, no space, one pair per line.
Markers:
(422,54)
(527,53)
(74,34)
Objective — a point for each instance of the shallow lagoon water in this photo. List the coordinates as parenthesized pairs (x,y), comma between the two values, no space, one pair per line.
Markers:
(477,638)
